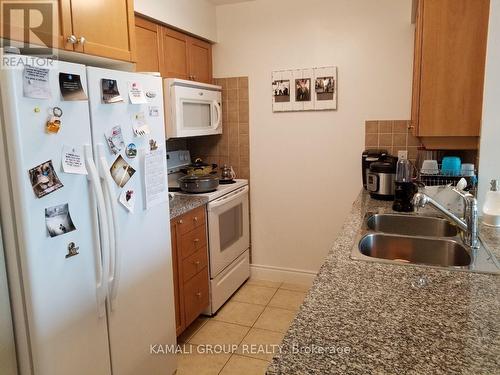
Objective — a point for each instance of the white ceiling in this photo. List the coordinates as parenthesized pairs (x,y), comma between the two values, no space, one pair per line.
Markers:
(223,2)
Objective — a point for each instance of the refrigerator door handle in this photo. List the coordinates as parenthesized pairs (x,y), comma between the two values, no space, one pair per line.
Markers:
(115,260)
(102,249)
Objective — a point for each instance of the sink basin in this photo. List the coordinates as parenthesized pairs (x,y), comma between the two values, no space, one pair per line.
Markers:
(411,225)
(414,250)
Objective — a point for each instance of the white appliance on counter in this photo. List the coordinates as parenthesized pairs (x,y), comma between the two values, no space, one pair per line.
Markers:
(91,282)
(192,108)
(228,223)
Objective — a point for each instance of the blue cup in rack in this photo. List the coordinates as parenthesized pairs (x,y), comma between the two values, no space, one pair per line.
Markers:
(451,166)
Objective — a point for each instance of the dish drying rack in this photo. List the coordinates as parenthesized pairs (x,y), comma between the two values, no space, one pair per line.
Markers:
(431,178)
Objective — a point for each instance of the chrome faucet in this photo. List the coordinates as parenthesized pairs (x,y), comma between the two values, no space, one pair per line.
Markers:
(469,225)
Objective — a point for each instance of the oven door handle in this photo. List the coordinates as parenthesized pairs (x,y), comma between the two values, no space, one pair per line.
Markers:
(231,196)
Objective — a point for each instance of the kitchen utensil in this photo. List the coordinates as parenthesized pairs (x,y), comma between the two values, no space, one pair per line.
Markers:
(380,178)
(468,169)
(199,168)
(491,208)
(404,187)
(227,174)
(429,167)
(199,184)
(368,157)
(451,166)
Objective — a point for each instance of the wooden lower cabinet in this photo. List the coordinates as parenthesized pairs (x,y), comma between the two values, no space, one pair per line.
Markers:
(190,266)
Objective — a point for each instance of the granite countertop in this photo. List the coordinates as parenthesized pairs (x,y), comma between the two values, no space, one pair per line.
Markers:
(181,204)
(370,318)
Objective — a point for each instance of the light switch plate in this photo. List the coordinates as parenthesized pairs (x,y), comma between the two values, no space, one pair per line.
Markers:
(402,154)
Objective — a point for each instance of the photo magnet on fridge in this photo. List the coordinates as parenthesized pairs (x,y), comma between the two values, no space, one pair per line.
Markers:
(121,171)
(71,87)
(36,83)
(110,93)
(58,220)
(115,140)
(44,180)
(127,199)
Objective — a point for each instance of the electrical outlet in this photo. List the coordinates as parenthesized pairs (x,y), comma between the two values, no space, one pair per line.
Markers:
(402,154)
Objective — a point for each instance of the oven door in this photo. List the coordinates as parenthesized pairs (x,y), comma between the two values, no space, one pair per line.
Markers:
(228,229)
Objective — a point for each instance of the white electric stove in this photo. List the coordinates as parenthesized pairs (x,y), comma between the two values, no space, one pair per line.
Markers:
(228,225)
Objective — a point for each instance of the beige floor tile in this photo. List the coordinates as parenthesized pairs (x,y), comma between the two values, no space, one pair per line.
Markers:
(219,333)
(200,363)
(275,319)
(239,313)
(295,287)
(192,329)
(287,299)
(268,283)
(259,295)
(260,344)
(239,365)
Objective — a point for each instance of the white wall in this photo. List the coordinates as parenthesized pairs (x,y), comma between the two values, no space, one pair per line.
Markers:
(194,16)
(489,166)
(305,166)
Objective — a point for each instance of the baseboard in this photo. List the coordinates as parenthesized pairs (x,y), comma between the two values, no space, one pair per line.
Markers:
(287,275)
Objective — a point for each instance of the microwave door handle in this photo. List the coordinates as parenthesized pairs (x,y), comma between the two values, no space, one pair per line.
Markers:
(219,114)
(225,199)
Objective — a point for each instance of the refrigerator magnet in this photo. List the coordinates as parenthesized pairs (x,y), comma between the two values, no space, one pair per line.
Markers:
(72,160)
(139,125)
(44,179)
(121,171)
(71,87)
(36,83)
(127,199)
(58,220)
(135,93)
(131,151)
(53,124)
(154,111)
(114,138)
(110,93)
(153,146)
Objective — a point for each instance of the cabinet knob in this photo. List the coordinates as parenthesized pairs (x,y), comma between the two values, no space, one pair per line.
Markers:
(195,219)
(196,240)
(198,294)
(81,40)
(72,39)
(197,263)
(180,222)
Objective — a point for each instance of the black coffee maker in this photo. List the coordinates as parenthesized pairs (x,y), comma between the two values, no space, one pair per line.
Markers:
(405,187)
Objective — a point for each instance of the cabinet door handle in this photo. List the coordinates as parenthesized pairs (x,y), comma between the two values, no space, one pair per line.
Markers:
(180,222)
(81,40)
(197,263)
(72,39)
(198,294)
(195,219)
(196,240)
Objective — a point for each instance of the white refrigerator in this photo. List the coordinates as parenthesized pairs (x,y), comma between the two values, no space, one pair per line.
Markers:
(88,255)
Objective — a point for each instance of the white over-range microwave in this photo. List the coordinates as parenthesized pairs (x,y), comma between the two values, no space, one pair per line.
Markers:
(191,108)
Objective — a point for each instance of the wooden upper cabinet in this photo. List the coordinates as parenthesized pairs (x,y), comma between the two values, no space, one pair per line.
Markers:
(449,61)
(148,39)
(200,60)
(175,54)
(107,26)
(171,52)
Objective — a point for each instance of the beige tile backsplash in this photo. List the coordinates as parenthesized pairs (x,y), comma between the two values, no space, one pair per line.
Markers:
(393,135)
(232,147)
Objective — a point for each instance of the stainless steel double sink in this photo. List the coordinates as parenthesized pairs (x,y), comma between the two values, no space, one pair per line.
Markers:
(419,240)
